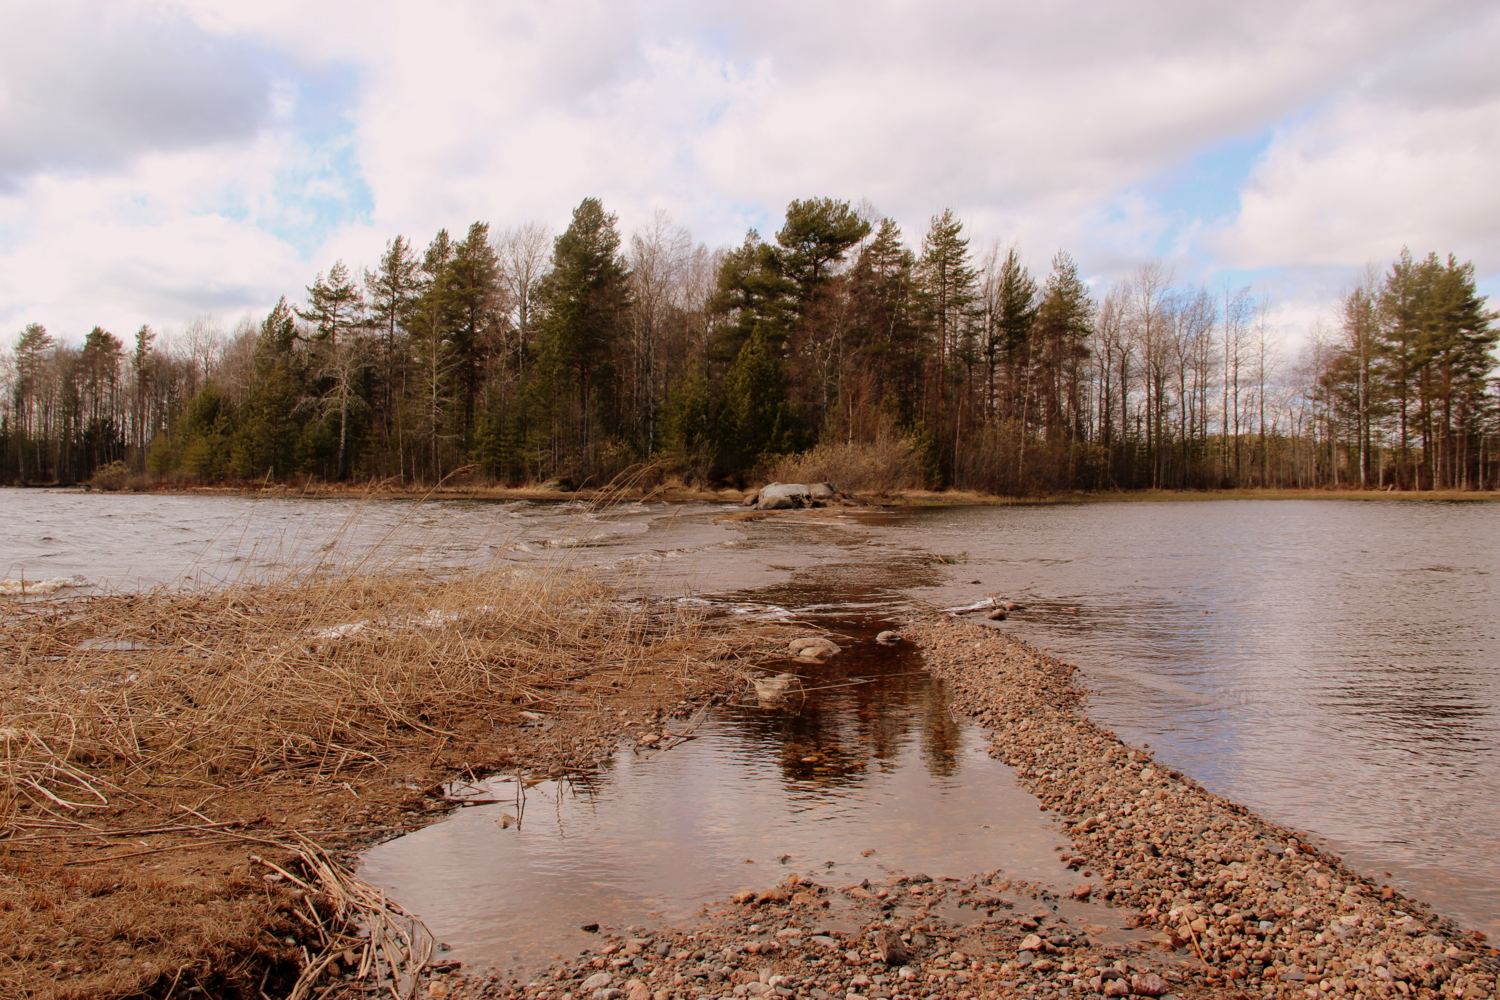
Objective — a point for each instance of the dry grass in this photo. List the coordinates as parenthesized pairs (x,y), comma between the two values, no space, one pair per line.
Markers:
(148,742)
(880,467)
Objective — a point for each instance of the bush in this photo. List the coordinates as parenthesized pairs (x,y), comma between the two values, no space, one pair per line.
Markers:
(111,477)
(883,466)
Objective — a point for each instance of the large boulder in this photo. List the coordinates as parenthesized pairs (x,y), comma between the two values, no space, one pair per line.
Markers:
(786,496)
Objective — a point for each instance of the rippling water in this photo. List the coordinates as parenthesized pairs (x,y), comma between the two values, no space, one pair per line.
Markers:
(1335,664)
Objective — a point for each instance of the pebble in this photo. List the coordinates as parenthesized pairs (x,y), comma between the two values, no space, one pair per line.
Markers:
(1253,898)
(1230,915)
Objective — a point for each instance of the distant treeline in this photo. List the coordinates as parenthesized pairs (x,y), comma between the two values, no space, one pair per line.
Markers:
(834,350)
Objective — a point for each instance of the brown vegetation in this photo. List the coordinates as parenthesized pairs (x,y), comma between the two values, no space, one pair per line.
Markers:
(880,468)
(182,775)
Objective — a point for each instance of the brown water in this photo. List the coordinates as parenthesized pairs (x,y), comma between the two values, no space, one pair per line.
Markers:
(862,773)
(1334,664)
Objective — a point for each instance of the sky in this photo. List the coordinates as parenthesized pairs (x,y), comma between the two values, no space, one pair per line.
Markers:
(165,161)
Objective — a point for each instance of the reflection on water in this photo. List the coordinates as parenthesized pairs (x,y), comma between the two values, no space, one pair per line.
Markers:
(866,774)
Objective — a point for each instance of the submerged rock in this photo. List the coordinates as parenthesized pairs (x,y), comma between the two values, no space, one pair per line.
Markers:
(815,648)
(771,691)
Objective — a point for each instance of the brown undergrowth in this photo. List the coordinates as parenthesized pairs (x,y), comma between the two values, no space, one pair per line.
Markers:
(184,777)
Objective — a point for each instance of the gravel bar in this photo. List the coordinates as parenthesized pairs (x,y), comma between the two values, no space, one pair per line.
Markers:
(1222,902)
(1264,909)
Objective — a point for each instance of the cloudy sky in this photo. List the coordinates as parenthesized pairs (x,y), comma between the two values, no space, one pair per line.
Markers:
(166,160)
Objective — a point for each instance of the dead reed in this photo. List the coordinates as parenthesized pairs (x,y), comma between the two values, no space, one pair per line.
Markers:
(164,723)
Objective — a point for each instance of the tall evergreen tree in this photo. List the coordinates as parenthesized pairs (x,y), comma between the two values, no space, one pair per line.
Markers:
(752,296)
(393,290)
(587,296)
(818,232)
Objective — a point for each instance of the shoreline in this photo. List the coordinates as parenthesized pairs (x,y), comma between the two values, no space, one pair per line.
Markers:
(1236,902)
(684,494)
(1239,906)
(1258,904)
(214,852)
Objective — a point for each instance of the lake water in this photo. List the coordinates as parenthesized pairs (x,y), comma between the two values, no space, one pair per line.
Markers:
(1333,664)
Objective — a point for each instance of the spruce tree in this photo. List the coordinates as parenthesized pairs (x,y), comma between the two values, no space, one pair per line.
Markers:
(757,419)
(753,296)
(472,284)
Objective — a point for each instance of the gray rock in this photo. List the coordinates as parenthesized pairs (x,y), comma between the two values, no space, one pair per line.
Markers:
(786,496)
(813,648)
(598,980)
(1147,984)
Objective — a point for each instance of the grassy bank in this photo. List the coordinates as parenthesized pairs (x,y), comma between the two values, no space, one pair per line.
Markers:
(184,778)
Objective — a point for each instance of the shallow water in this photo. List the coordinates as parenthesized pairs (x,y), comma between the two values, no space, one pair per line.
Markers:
(1334,664)
(864,773)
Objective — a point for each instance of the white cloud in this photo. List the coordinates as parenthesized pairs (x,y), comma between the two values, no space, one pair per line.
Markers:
(1365,176)
(1035,122)
(88,86)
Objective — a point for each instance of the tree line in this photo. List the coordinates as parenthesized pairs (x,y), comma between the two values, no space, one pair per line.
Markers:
(833,348)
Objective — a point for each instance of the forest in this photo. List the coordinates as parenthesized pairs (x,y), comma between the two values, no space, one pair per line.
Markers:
(833,350)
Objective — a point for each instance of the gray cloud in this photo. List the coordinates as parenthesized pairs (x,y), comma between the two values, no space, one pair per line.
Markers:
(90,86)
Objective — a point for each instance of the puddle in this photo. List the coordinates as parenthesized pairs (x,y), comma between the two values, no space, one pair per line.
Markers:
(863,774)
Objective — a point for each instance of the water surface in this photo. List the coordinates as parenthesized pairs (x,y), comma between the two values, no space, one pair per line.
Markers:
(1334,664)
(863,773)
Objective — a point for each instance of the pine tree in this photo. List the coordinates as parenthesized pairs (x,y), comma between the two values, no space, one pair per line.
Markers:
(393,290)
(587,297)
(947,284)
(690,427)
(1061,326)
(889,356)
(431,319)
(817,234)
(752,296)
(266,430)
(475,299)
(334,308)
